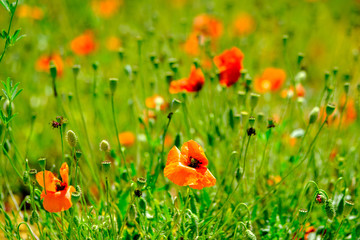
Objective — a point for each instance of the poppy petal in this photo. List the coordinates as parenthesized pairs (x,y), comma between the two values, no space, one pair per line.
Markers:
(64,173)
(180,174)
(206,180)
(50,180)
(58,201)
(173,156)
(194,150)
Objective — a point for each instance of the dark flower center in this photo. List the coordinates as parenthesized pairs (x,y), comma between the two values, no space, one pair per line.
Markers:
(194,163)
(60,186)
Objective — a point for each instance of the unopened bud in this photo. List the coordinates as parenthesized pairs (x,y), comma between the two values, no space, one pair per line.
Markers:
(104,146)
(71,138)
(314,114)
(132,212)
(330,209)
(26,177)
(249,235)
(34,218)
(300,58)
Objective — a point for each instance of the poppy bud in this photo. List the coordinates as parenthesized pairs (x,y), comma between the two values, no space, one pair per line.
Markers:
(314,114)
(249,235)
(71,138)
(34,218)
(121,53)
(95,65)
(141,183)
(104,146)
(346,87)
(335,70)
(320,198)
(113,84)
(53,70)
(42,162)
(26,177)
(254,99)
(70,96)
(330,209)
(75,197)
(302,216)
(238,174)
(132,212)
(106,166)
(27,165)
(76,70)
(330,108)
(78,154)
(348,208)
(175,104)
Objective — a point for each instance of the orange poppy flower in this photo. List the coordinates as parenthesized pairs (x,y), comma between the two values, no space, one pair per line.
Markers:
(127,139)
(273,180)
(208,26)
(43,63)
(271,80)
(350,114)
(193,83)
(26,11)
(156,101)
(193,43)
(299,90)
(106,8)
(244,24)
(188,167)
(113,43)
(58,193)
(84,44)
(229,64)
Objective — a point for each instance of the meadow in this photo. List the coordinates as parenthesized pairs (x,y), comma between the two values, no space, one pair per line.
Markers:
(180,119)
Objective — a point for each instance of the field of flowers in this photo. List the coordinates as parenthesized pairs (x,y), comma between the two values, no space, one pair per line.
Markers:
(180,119)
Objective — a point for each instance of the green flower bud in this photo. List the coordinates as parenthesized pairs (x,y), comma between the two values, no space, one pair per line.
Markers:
(132,213)
(34,218)
(104,146)
(249,235)
(113,84)
(26,177)
(314,114)
(71,138)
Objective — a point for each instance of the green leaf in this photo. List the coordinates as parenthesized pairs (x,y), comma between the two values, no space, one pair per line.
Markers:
(5,4)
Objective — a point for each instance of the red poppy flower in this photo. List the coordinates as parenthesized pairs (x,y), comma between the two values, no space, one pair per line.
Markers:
(43,64)
(271,80)
(84,44)
(127,139)
(58,193)
(188,167)
(193,83)
(106,8)
(244,24)
(229,64)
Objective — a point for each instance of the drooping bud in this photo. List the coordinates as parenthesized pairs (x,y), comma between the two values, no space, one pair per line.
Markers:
(320,198)
(104,146)
(330,108)
(330,209)
(348,208)
(302,216)
(254,99)
(113,84)
(71,138)
(314,114)
(132,212)
(249,235)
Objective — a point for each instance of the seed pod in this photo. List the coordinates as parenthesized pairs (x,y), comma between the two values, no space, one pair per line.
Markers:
(302,215)
(104,146)
(32,173)
(346,87)
(249,235)
(251,121)
(78,154)
(113,84)
(330,209)
(53,70)
(348,208)
(71,138)
(106,166)
(76,70)
(254,99)
(330,108)
(142,206)
(141,183)
(175,104)
(75,197)
(42,162)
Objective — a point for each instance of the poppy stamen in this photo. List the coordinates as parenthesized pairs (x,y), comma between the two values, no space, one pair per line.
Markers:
(194,163)
(60,186)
